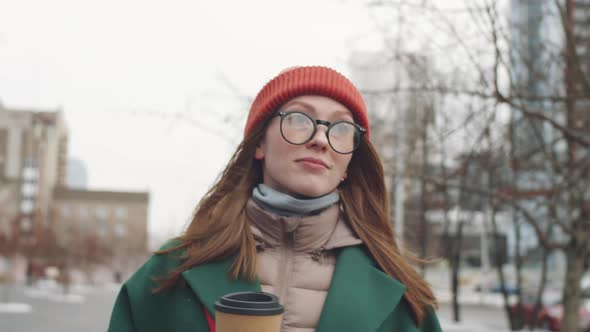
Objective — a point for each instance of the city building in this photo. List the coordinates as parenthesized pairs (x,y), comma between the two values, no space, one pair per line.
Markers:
(400,119)
(44,220)
(580,12)
(548,79)
(109,226)
(33,150)
(539,73)
(401,114)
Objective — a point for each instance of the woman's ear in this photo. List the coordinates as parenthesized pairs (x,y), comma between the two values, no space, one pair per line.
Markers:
(259,154)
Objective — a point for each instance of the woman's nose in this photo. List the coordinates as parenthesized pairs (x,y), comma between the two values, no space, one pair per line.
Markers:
(320,138)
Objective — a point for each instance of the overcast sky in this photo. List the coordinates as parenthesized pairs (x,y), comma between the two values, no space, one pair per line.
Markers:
(120,70)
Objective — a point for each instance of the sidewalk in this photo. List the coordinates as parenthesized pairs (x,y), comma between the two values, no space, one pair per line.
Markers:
(448,326)
(470,297)
(478,313)
(15,308)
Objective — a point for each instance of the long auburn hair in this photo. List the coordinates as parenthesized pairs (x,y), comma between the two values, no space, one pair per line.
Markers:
(220,228)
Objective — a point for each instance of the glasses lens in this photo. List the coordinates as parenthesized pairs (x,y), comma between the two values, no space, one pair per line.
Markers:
(344,137)
(296,127)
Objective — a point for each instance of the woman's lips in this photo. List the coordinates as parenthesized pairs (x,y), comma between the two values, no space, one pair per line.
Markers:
(313,163)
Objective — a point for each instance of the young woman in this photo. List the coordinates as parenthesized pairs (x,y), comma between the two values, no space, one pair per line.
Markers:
(300,211)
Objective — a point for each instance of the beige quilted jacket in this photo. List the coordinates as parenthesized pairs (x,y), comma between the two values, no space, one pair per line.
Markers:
(296,260)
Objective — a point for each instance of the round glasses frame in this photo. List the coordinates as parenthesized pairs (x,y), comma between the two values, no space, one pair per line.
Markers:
(360,130)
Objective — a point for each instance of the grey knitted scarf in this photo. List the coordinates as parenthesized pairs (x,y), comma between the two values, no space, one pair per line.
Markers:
(288,206)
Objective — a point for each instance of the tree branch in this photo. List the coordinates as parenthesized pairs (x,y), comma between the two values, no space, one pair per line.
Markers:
(509,200)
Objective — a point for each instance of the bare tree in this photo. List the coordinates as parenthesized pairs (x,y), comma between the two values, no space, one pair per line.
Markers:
(528,64)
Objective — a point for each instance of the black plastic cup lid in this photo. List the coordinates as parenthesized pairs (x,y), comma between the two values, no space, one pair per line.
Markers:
(250,304)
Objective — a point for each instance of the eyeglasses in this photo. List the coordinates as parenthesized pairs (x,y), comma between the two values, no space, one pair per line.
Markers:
(299,128)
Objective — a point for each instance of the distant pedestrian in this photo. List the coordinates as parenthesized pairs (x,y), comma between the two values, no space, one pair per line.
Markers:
(300,211)
(64,279)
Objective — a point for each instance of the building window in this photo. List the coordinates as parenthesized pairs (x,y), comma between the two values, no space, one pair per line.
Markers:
(120,230)
(84,212)
(121,213)
(102,231)
(29,189)
(30,163)
(26,224)
(66,211)
(81,226)
(26,206)
(30,174)
(30,171)
(102,212)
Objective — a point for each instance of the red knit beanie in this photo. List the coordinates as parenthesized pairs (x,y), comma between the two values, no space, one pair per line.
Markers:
(298,81)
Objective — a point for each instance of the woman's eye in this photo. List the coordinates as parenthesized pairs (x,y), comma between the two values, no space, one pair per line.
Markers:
(342,129)
(297,119)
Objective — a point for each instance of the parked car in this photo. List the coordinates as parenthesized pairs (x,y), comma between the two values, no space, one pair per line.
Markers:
(496,287)
(551,318)
(550,315)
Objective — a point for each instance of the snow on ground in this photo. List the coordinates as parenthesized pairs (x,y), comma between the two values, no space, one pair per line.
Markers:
(471,297)
(54,295)
(15,308)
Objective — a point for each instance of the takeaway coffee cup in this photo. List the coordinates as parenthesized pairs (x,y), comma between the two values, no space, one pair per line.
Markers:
(248,312)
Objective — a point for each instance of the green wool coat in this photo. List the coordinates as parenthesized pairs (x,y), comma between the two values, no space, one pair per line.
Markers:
(361,298)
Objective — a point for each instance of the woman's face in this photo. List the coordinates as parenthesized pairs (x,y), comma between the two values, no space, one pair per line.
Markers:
(312,169)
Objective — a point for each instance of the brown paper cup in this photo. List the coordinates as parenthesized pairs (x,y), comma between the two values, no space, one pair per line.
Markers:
(248,312)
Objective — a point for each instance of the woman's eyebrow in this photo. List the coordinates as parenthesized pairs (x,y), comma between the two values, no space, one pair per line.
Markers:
(304,104)
(340,112)
(309,107)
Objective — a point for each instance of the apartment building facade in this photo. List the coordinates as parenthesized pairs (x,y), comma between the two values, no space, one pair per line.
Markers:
(91,227)
(102,226)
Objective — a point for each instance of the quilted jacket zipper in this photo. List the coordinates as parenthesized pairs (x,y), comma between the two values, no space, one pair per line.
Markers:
(285,266)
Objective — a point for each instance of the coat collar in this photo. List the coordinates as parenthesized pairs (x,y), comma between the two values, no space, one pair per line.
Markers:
(360,297)
(212,280)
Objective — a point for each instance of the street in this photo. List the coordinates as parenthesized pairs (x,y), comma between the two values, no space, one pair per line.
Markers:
(88,309)
(85,310)
(474,317)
